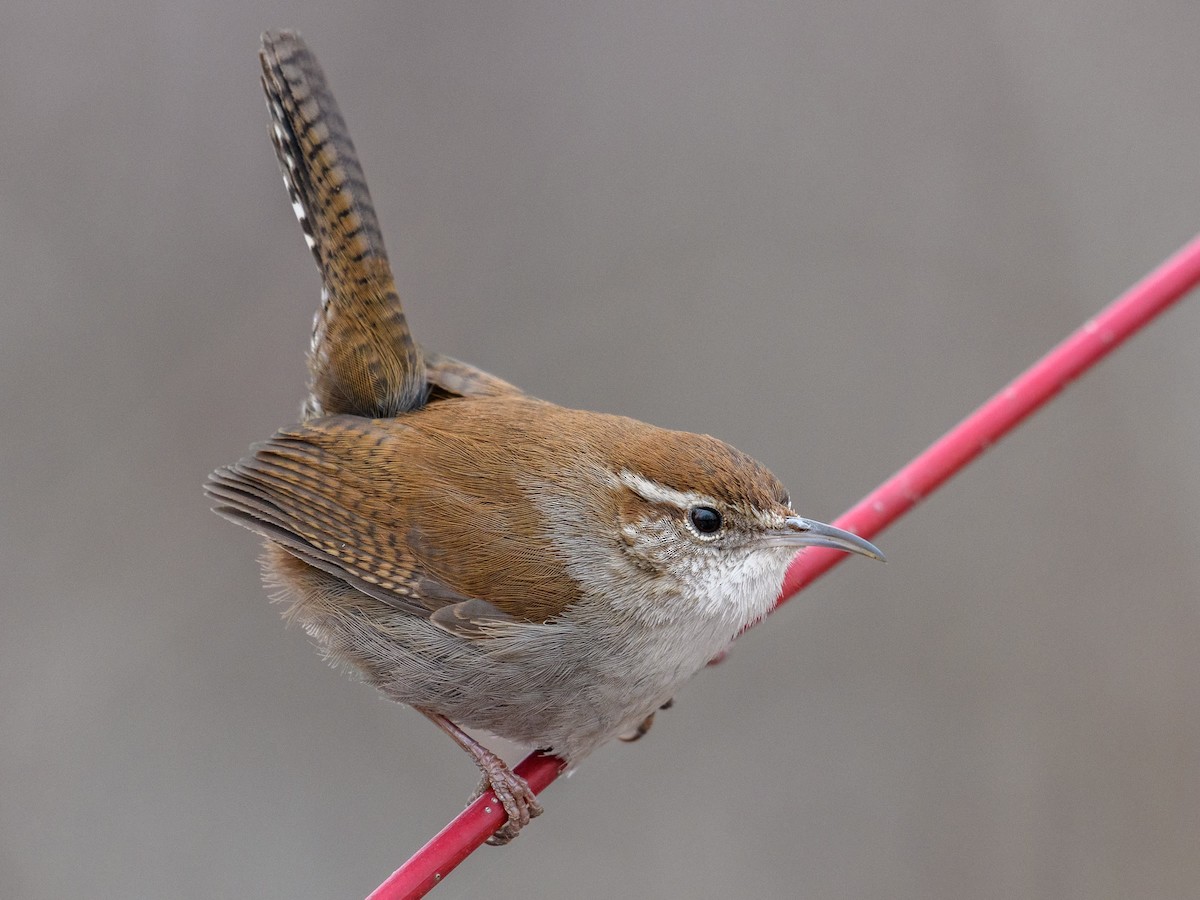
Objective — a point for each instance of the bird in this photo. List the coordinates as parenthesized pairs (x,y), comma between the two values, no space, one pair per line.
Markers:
(496,561)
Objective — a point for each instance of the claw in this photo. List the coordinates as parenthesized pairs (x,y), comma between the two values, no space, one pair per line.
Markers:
(640,732)
(512,793)
(643,727)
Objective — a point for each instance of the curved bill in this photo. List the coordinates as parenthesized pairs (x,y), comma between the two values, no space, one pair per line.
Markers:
(801,532)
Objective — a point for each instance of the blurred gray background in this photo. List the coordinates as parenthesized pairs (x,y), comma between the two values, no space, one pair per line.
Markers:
(822,231)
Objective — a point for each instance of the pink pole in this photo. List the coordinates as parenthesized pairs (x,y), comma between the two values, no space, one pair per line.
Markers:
(1024,395)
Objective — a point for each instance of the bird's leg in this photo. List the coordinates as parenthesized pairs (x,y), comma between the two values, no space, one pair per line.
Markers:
(518,800)
(640,732)
(644,726)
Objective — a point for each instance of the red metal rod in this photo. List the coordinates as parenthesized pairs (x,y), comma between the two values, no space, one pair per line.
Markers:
(976,433)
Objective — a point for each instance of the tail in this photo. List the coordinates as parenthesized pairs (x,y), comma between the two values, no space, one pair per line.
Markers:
(363,359)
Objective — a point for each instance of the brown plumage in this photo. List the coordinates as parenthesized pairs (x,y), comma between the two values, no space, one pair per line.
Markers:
(445,505)
(363,358)
(496,561)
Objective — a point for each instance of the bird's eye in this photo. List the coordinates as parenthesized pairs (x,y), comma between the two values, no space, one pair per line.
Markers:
(705,519)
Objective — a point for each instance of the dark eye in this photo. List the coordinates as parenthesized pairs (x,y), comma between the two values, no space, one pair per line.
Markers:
(705,519)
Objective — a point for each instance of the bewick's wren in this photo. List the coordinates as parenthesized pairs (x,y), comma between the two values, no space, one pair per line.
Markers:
(493,560)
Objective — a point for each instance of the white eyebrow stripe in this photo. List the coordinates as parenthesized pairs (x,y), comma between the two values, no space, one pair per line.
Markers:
(653,492)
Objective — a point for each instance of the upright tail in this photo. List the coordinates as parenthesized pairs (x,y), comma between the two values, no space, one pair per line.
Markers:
(363,359)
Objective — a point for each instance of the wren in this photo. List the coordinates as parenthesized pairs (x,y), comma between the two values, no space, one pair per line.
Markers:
(493,560)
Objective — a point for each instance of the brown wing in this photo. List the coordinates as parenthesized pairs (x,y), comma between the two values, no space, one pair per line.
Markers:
(449,378)
(278,492)
(403,514)
(363,359)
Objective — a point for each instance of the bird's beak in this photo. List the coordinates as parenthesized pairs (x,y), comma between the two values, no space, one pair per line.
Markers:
(800,532)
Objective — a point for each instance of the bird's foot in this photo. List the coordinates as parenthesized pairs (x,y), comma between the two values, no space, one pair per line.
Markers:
(643,727)
(511,791)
